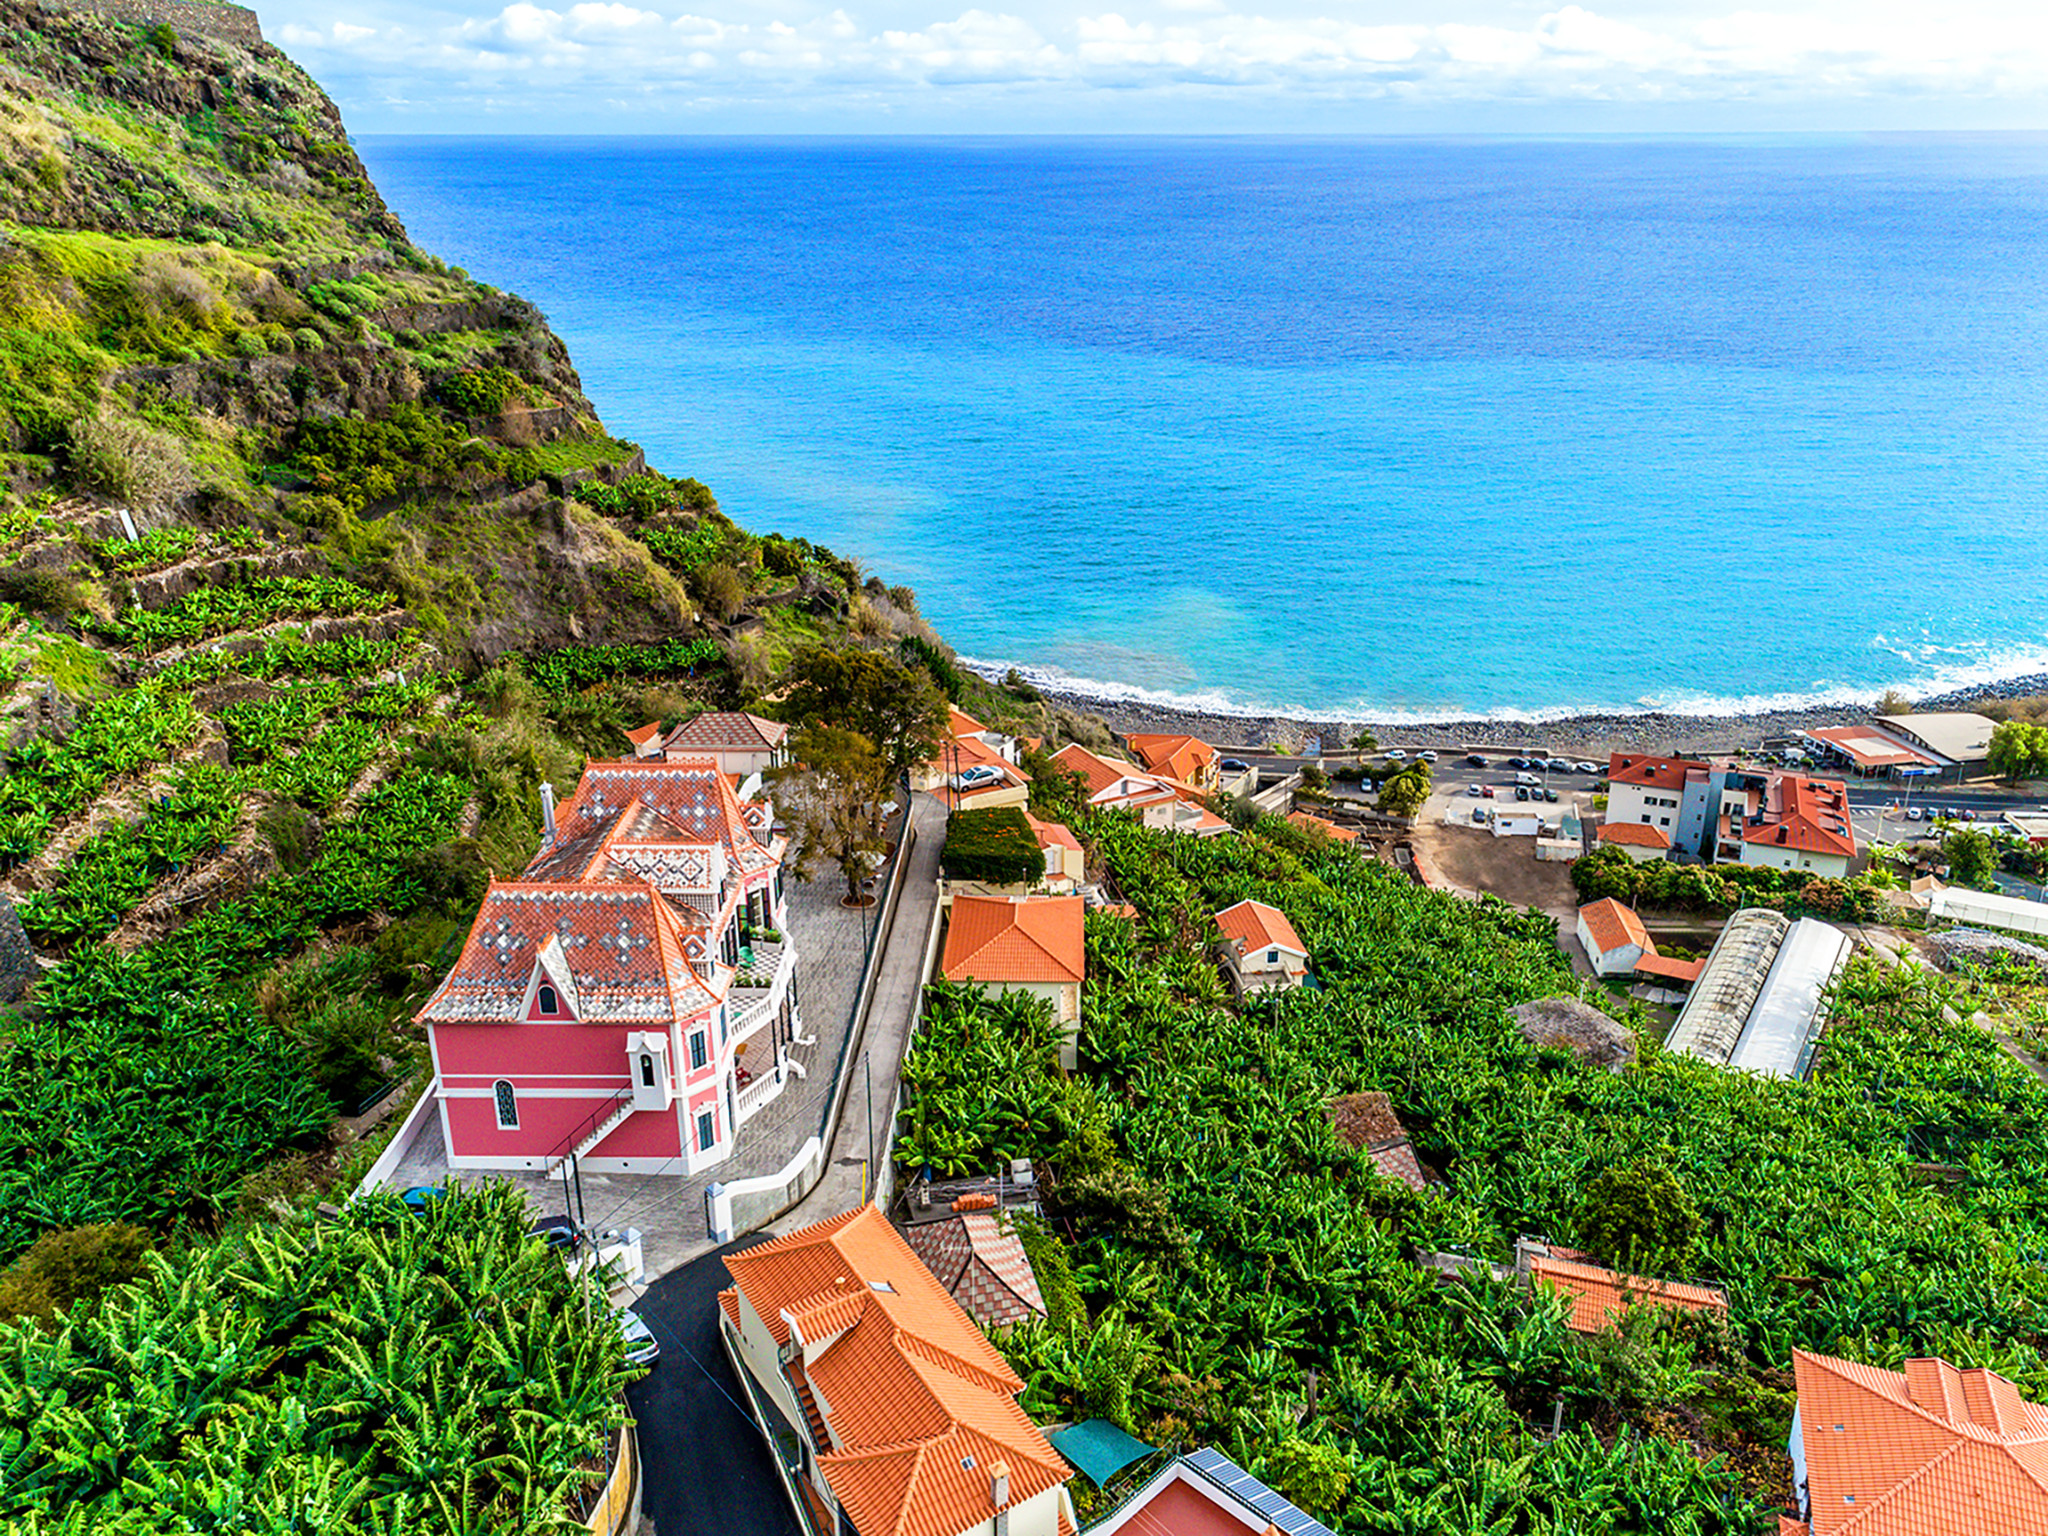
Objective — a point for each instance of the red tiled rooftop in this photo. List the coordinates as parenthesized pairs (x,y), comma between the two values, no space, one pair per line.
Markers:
(1632,834)
(1254,925)
(1676,970)
(1000,939)
(1650,772)
(1600,1295)
(1615,926)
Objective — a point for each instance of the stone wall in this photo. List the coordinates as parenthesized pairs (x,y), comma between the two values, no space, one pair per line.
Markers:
(232,22)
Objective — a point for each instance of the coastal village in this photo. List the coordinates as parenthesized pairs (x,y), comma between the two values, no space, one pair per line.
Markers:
(533,1007)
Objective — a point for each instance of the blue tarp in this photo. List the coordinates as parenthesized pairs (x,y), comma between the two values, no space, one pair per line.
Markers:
(1098,1448)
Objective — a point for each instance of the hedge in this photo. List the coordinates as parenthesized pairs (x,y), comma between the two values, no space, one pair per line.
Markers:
(995,847)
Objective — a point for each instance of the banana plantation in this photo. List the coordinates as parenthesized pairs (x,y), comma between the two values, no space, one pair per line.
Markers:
(1250,1281)
(383,1374)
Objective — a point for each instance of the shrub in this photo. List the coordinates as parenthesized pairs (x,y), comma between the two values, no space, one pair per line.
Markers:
(921,652)
(1639,1218)
(163,37)
(721,590)
(996,847)
(478,391)
(129,461)
(63,1268)
(1317,1478)
(1055,1272)
(306,339)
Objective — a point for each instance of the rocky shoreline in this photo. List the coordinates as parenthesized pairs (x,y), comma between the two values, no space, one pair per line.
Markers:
(1591,734)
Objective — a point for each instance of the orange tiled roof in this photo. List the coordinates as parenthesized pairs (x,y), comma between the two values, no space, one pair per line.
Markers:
(1808,815)
(1615,926)
(1318,824)
(1183,757)
(1632,833)
(1650,772)
(1930,1448)
(1020,938)
(1598,1295)
(645,734)
(1097,773)
(960,723)
(1254,925)
(1676,970)
(1051,834)
(921,1405)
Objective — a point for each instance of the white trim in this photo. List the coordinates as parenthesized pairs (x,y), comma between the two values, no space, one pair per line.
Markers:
(537,1093)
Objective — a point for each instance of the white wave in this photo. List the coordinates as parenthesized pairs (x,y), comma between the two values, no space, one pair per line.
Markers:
(1982,670)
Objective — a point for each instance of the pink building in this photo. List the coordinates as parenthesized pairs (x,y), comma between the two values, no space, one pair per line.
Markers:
(631,997)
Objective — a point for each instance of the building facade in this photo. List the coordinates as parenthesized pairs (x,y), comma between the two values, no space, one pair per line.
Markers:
(631,999)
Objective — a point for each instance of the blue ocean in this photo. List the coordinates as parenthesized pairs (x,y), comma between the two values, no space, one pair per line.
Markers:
(1339,427)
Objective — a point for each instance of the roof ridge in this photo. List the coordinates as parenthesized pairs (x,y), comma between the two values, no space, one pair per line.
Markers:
(1876,1506)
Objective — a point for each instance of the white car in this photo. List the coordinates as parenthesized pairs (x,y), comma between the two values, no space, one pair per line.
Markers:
(1427,757)
(1585,767)
(977,778)
(1912,813)
(1397,756)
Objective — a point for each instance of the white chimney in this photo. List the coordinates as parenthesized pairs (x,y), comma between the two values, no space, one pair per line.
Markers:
(547,808)
(999,1483)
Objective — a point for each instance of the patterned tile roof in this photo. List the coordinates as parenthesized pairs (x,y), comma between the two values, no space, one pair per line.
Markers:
(626,950)
(1014,939)
(1927,1449)
(1254,925)
(1599,1295)
(982,1263)
(732,730)
(692,797)
(919,1404)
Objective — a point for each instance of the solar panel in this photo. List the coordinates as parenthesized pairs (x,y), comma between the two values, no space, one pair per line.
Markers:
(1253,1494)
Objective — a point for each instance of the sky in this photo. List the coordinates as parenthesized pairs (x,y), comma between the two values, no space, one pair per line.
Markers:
(1173,66)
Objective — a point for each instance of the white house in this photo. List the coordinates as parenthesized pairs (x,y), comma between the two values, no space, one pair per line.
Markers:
(1261,951)
(1029,944)
(1614,937)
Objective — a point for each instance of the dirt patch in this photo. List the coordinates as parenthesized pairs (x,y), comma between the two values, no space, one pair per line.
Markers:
(1473,859)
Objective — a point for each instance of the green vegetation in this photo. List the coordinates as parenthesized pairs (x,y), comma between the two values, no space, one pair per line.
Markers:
(1225,1244)
(378,1374)
(1404,792)
(1722,887)
(2019,750)
(997,847)
(574,668)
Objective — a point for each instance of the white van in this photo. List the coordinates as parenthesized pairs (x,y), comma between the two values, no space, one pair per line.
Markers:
(1528,780)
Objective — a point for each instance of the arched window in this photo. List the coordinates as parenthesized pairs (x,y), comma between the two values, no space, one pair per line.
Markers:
(646,1069)
(549,1003)
(508,1105)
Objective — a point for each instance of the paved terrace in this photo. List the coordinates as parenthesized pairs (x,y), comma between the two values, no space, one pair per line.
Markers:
(668,1209)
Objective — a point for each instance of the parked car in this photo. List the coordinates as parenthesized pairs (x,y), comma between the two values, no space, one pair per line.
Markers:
(558,1232)
(1472,790)
(1968,814)
(1486,790)
(1396,755)
(1521,791)
(979,777)
(1550,795)
(1427,757)
(1518,762)
(1912,813)
(642,1347)
(1559,765)
(1585,767)
(1479,814)
(1233,765)
(1473,759)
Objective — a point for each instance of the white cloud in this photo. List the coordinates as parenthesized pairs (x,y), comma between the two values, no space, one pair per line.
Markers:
(770,51)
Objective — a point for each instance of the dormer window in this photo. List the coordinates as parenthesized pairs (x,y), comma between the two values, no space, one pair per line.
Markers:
(549,1003)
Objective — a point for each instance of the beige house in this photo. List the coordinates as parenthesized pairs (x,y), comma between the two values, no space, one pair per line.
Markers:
(1030,944)
(881,1402)
(975,768)
(741,744)
(1261,951)
(1164,804)
(1064,862)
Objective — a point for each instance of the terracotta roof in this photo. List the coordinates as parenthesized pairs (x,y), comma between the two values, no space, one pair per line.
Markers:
(1318,824)
(1650,772)
(1632,833)
(625,947)
(1599,1295)
(1184,757)
(1014,938)
(1930,1448)
(732,729)
(1361,1119)
(982,1263)
(1809,815)
(960,723)
(1051,834)
(921,1405)
(1097,773)
(964,752)
(1254,925)
(645,734)
(1676,970)
(1869,748)
(1615,926)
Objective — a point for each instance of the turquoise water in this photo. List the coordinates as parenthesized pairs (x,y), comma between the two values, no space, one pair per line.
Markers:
(1336,427)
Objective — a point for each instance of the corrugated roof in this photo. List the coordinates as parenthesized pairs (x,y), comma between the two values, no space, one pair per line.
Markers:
(1615,926)
(1927,1449)
(919,1404)
(1015,939)
(1254,925)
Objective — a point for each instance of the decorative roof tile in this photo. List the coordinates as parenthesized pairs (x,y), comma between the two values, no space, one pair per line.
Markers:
(726,730)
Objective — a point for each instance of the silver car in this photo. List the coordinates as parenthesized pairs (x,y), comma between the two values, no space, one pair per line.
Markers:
(642,1347)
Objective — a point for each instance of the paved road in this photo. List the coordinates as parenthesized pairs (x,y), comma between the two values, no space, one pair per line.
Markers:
(707,1472)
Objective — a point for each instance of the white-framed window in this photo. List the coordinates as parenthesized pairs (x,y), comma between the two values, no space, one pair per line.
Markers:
(721,1023)
(507,1101)
(707,1130)
(1272,957)
(697,1051)
(549,1003)
(646,1069)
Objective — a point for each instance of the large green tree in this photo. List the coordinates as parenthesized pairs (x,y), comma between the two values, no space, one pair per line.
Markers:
(1970,855)
(1405,793)
(2019,751)
(897,708)
(831,799)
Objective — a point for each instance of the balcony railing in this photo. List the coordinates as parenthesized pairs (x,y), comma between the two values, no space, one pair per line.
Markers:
(758,990)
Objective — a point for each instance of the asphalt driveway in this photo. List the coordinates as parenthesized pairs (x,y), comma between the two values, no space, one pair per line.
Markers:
(706,1471)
